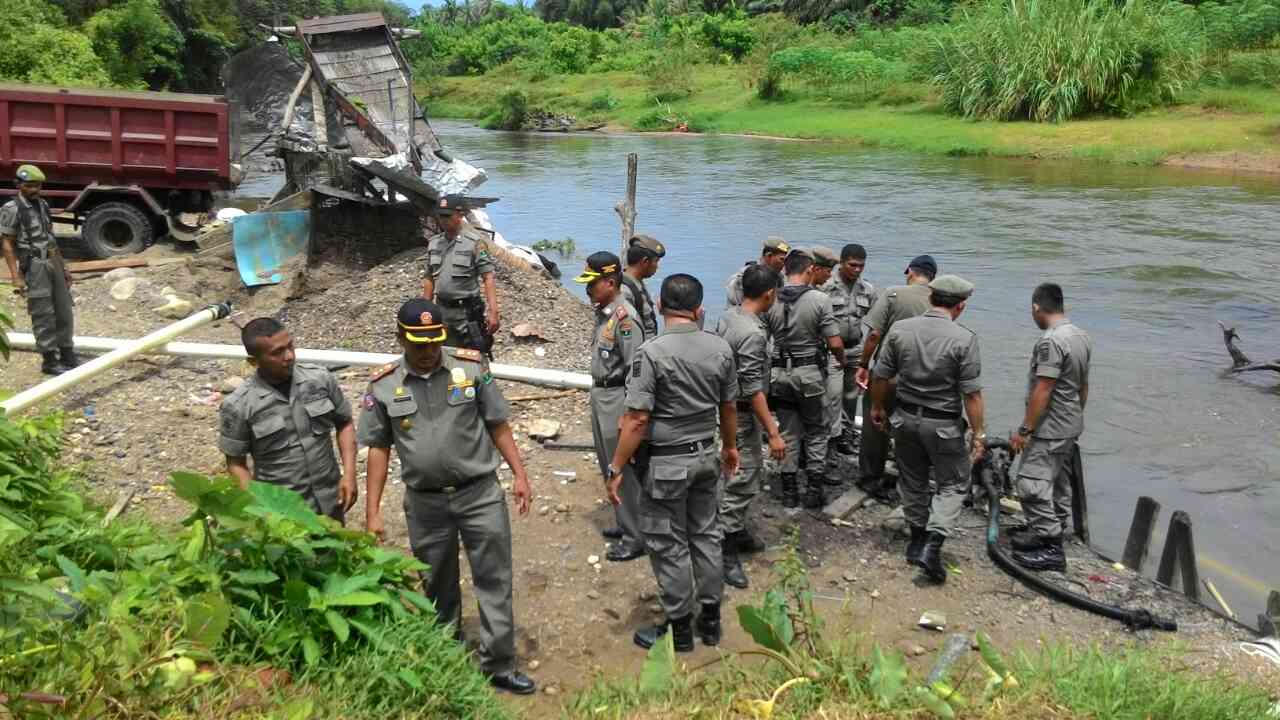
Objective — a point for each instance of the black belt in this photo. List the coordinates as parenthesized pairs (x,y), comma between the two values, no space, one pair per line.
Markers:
(797,362)
(923,411)
(621,382)
(688,448)
(464,302)
(44,252)
(451,489)
(744,405)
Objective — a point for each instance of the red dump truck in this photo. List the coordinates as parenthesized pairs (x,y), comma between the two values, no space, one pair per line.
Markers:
(124,166)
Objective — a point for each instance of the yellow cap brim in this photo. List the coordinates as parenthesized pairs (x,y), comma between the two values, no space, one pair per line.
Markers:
(425,334)
(587,276)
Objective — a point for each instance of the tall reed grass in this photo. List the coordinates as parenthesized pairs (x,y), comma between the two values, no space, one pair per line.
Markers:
(1052,60)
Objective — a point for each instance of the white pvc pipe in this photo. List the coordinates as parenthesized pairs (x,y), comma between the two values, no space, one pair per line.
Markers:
(125,349)
(533,376)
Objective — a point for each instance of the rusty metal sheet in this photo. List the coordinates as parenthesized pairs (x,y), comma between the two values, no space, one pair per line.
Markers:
(341,23)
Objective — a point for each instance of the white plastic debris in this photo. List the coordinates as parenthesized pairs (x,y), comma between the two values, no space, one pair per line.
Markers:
(230,214)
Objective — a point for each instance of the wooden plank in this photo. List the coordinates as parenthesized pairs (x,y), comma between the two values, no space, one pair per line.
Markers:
(1217,596)
(119,507)
(1079,497)
(627,208)
(1179,556)
(1136,548)
(90,266)
(846,504)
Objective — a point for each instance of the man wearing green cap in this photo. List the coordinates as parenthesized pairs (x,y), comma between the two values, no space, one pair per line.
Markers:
(644,252)
(772,254)
(617,336)
(38,272)
(936,364)
(460,277)
(448,422)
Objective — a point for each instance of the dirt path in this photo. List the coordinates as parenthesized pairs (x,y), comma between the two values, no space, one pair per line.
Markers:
(135,424)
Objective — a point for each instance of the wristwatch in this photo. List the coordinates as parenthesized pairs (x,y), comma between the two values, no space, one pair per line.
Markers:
(613,472)
(1024,431)
(980,437)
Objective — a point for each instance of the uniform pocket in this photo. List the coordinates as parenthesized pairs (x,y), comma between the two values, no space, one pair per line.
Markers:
(434,262)
(462,262)
(670,481)
(950,440)
(269,433)
(462,395)
(320,411)
(810,381)
(398,408)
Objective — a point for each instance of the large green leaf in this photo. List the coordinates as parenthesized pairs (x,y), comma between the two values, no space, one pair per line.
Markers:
(194,549)
(73,572)
(659,667)
(280,501)
(254,577)
(295,591)
(355,599)
(419,601)
(10,532)
(208,616)
(341,628)
(936,705)
(218,496)
(770,624)
(311,650)
(888,676)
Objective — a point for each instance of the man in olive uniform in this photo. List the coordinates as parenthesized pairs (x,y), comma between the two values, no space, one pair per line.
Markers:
(896,303)
(682,382)
(1057,392)
(447,420)
(772,255)
(851,300)
(35,264)
(284,417)
(744,328)
(643,255)
(804,331)
(617,336)
(936,363)
(824,263)
(459,269)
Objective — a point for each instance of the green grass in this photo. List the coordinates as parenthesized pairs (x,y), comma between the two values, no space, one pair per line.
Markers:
(906,117)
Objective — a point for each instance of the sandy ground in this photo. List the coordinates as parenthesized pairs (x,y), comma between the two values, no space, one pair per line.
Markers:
(135,424)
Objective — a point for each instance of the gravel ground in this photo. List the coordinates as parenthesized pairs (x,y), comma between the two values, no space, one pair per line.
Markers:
(135,424)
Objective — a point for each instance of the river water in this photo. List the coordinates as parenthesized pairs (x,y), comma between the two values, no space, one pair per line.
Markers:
(1149,259)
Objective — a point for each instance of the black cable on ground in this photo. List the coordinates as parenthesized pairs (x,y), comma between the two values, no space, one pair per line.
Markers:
(1136,619)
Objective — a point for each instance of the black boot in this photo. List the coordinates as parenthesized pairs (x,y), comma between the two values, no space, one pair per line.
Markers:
(69,357)
(813,499)
(709,624)
(916,545)
(790,490)
(744,542)
(51,365)
(681,629)
(1025,540)
(1048,556)
(930,558)
(733,573)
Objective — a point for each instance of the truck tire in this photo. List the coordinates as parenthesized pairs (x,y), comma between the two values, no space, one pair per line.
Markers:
(117,228)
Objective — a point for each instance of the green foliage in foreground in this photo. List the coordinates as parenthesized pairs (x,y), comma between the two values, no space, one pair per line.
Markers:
(807,674)
(1052,60)
(119,619)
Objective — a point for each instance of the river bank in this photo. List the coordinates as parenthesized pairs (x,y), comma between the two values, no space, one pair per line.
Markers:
(135,424)
(1235,129)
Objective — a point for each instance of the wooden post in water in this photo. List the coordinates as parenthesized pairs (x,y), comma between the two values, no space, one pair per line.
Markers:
(627,208)
(1079,497)
(1179,556)
(1145,516)
(1269,622)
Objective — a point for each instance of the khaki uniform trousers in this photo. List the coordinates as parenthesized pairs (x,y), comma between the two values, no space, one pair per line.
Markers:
(934,445)
(680,523)
(478,514)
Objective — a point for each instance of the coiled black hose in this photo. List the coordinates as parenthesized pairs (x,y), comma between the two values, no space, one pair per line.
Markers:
(1136,619)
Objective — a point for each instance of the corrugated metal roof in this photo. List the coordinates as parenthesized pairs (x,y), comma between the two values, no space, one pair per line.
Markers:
(340,23)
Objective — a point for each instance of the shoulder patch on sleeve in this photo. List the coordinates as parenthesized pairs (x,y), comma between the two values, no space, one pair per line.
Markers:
(468,354)
(620,312)
(1042,352)
(382,372)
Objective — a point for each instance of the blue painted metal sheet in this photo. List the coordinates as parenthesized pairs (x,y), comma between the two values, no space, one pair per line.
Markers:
(264,242)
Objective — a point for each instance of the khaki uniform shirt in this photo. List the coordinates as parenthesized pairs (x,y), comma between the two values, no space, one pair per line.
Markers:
(29,224)
(850,302)
(438,424)
(681,377)
(642,303)
(935,360)
(290,439)
(733,289)
(615,341)
(897,303)
(1062,353)
(456,267)
(748,337)
(802,330)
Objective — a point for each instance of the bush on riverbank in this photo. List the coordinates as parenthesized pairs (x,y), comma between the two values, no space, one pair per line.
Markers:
(1053,60)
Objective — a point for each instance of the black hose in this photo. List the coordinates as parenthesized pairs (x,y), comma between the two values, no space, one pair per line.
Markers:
(1136,619)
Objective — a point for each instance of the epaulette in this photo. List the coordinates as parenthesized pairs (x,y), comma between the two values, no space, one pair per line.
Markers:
(468,354)
(383,371)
